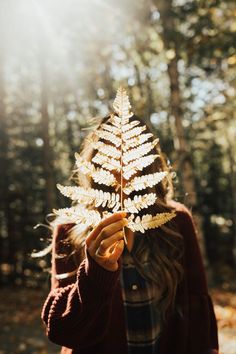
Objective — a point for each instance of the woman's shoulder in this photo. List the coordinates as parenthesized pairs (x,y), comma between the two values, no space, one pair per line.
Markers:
(187,226)
(184,216)
(179,207)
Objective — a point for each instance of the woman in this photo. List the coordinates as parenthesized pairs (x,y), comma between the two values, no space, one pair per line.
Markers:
(147,296)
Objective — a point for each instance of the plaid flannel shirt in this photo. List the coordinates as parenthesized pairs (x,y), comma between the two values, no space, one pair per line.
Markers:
(140,300)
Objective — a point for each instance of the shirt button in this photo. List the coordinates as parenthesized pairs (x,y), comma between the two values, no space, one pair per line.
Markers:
(134,287)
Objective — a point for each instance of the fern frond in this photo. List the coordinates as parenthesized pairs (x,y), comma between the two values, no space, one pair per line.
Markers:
(106,162)
(139,202)
(109,136)
(129,126)
(110,129)
(136,141)
(121,147)
(99,175)
(139,183)
(138,165)
(91,196)
(122,105)
(78,214)
(149,222)
(102,176)
(84,166)
(108,150)
(134,132)
(139,151)
(117,122)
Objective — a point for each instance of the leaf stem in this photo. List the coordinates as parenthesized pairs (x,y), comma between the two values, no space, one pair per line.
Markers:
(121,181)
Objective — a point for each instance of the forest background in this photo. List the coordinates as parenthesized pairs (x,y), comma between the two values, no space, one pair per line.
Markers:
(61,63)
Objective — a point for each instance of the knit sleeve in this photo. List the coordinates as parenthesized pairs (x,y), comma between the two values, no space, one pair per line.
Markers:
(202,320)
(64,267)
(76,315)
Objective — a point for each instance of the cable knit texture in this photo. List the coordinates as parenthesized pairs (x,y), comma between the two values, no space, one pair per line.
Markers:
(84,313)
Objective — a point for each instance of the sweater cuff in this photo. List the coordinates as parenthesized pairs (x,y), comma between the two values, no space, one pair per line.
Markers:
(101,278)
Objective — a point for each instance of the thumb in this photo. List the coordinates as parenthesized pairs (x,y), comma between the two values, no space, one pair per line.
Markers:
(117,252)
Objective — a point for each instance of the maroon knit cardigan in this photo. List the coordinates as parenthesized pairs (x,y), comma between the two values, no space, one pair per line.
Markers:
(85,315)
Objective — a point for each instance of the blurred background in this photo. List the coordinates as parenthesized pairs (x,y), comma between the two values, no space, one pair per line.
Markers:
(61,63)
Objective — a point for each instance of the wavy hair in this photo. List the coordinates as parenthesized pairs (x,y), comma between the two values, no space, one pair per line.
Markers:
(163,247)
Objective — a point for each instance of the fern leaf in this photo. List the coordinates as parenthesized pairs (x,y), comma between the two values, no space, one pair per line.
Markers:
(117,122)
(139,202)
(99,175)
(84,166)
(122,105)
(136,141)
(134,132)
(109,136)
(150,222)
(108,150)
(129,126)
(106,162)
(121,147)
(139,183)
(110,129)
(75,193)
(139,151)
(91,196)
(102,176)
(138,165)
(78,214)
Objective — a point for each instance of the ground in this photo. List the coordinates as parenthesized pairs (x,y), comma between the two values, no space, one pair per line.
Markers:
(22,330)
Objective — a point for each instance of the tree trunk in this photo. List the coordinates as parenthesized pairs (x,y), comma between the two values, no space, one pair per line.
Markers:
(48,165)
(233,190)
(185,164)
(7,245)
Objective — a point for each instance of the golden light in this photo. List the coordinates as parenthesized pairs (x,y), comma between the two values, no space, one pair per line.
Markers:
(58,30)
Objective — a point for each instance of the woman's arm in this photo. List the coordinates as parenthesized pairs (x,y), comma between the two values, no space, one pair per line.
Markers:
(79,305)
(64,268)
(77,315)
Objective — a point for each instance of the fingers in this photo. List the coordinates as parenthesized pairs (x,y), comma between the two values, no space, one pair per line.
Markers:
(110,230)
(105,222)
(117,252)
(111,262)
(106,244)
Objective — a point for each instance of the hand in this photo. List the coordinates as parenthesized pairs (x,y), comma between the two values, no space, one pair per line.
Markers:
(105,243)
